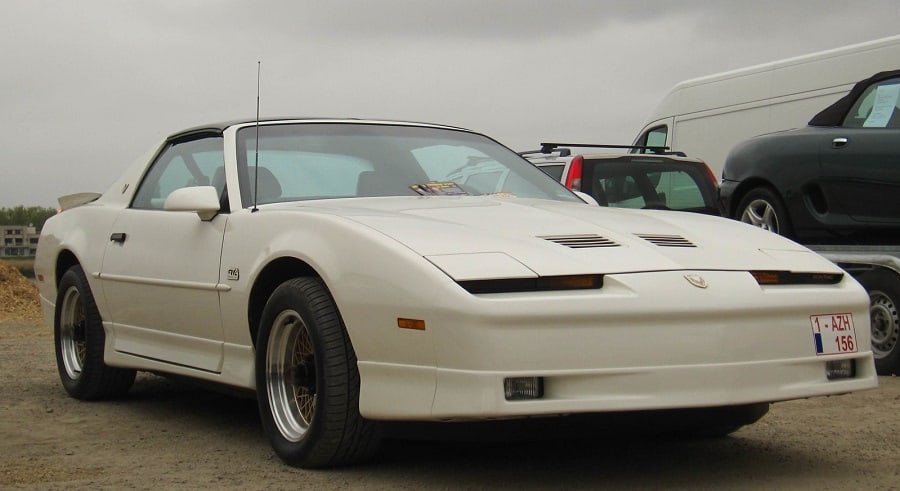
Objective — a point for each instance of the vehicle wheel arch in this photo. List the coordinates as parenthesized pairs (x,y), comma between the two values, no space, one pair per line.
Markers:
(269,278)
(65,260)
(743,188)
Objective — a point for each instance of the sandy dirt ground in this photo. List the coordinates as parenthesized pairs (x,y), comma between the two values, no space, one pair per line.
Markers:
(169,435)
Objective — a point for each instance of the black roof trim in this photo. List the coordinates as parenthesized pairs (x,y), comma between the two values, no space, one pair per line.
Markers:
(220,127)
(834,114)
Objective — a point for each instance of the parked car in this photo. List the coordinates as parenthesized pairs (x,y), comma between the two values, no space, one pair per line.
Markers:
(334,268)
(707,116)
(835,181)
(664,180)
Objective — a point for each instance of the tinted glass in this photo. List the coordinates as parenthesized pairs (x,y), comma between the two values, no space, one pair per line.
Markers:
(553,170)
(877,107)
(654,137)
(191,163)
(666,185)
(337,160)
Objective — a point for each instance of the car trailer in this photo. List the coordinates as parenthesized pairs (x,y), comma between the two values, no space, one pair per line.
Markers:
(877,268)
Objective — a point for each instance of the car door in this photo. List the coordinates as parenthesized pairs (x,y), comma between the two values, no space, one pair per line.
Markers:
(160,272)
(860,161)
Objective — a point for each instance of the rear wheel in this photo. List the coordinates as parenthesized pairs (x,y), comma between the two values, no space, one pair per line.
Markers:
(884,301)
(79,339)
(763,208)
(307,380)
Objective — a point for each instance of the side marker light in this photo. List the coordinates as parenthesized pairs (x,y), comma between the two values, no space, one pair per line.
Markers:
(415,324)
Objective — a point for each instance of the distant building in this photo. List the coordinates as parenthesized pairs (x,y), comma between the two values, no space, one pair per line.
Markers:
(18,240)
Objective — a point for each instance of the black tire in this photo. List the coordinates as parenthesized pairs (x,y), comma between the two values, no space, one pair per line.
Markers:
(764,208)
(79,338)
(307,380)
(884,302)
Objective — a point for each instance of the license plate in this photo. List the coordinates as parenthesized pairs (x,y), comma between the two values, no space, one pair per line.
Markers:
(833,333)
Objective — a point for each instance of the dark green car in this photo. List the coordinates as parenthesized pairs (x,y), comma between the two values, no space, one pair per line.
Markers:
(836,181)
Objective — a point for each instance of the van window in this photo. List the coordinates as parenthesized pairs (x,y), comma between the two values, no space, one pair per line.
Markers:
(654,137)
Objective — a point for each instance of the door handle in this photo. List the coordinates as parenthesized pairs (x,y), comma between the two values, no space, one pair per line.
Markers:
(118,237)
(839,142)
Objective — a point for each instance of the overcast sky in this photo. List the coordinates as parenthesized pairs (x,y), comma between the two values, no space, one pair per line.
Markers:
(88,86)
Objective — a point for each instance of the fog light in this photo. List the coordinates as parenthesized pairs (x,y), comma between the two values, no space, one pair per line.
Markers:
(838,369)
(521,388)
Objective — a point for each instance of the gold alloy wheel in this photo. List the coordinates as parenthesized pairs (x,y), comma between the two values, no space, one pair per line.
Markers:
(291,376)
(72,342)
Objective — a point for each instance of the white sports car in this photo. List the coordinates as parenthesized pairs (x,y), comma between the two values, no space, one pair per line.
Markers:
(353,271)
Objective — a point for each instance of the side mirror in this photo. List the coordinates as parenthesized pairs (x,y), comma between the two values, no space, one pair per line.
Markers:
(202,200)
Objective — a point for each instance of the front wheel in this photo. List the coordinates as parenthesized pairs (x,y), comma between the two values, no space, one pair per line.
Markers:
(763,208)
(884,301)
(307,381)
(79,339)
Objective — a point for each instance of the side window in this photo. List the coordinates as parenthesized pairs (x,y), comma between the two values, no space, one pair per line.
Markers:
(877,107)
(553,170)
(654,137)
(182,164)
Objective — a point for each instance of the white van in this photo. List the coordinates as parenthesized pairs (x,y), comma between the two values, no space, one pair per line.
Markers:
(705,117)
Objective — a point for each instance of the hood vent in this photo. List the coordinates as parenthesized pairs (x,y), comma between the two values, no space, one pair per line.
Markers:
(667,240)
(584,241)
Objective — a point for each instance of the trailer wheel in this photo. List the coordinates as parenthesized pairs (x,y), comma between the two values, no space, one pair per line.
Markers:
(884,301)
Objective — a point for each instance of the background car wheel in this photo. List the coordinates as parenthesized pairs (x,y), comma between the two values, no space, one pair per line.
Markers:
(307,381)
(884,301)
(763,208)
(79,339)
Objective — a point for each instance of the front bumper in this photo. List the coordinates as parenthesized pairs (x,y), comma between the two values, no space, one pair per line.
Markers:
(644,341)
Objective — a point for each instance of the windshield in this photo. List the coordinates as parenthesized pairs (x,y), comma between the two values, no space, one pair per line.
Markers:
(303,161)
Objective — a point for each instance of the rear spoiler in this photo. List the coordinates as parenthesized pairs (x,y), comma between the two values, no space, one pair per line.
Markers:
(565,152)
(70,201)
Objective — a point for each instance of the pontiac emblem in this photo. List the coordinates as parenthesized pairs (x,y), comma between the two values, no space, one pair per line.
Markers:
(696,280)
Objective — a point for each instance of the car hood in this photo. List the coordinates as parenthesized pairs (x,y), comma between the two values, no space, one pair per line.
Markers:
(487,237)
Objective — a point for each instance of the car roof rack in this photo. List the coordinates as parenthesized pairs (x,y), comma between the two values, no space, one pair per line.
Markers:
(565,152)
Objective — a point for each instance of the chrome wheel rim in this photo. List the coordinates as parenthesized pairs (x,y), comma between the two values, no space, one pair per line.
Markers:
(762,214)
(291,376)
(72,342)
(885,323)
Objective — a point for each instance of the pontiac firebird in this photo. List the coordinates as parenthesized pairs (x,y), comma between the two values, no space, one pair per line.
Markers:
(352,272)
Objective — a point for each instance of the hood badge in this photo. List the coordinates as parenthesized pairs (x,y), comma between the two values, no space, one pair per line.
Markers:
(696,280)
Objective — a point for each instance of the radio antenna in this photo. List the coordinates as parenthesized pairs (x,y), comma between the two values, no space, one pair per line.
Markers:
(256,154)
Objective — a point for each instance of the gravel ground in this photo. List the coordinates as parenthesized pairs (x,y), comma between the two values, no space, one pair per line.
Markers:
(168,435)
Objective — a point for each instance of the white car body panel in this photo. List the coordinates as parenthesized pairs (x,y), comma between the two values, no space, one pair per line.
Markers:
(135,289)
(648,339)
